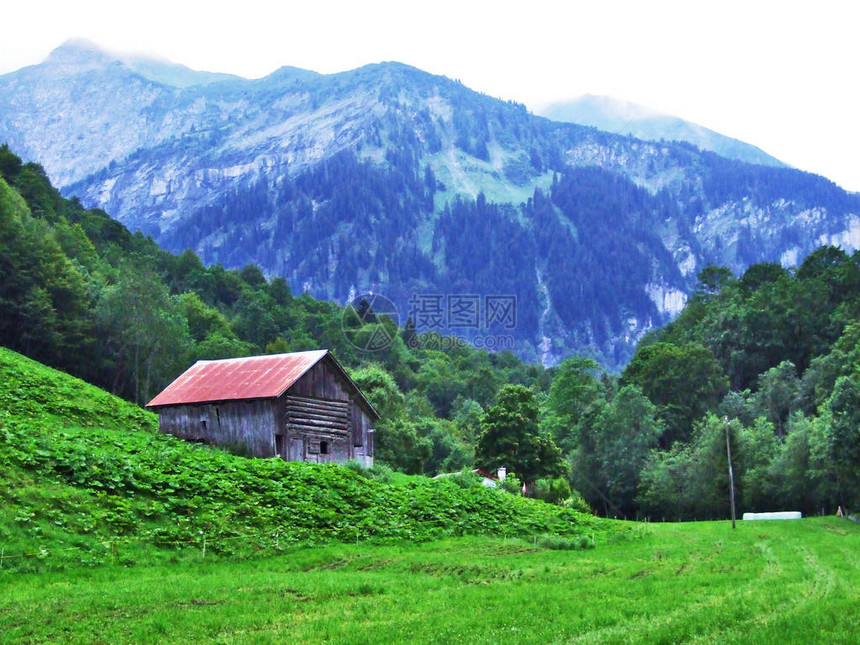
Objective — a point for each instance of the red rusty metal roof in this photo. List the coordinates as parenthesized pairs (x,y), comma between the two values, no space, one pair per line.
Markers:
(253,377)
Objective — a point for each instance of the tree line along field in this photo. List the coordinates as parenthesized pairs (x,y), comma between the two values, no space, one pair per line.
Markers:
(697,582)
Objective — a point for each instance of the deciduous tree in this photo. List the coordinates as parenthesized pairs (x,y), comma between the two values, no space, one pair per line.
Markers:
(510,438)
(683,381)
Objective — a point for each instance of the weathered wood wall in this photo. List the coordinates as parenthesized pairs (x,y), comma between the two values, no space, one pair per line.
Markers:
(249,422)
(361,431)
(322,381)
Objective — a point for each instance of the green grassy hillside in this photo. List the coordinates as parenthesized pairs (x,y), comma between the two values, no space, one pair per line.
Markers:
(85,478)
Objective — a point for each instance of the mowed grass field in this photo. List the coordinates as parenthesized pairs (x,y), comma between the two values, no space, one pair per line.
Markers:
(765,582)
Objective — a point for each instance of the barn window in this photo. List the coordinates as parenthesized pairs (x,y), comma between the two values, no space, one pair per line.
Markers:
(203,424)
(280,445)
(323,447)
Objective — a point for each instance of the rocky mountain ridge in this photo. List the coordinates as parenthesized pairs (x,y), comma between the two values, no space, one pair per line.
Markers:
(392,180)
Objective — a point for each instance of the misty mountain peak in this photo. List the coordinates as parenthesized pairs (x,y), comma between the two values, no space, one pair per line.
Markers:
(615,115)
(79,52)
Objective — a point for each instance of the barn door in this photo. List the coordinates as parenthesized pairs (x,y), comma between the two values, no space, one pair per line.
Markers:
(319,449)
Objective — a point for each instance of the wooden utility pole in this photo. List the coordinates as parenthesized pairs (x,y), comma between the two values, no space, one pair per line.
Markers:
(731,474)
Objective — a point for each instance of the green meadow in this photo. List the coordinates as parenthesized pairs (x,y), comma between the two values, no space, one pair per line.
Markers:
(764,582)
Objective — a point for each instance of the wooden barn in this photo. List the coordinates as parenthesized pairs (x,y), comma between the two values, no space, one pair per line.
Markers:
(300,406)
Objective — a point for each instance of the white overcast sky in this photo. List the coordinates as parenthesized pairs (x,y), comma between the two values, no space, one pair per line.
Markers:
(780,75)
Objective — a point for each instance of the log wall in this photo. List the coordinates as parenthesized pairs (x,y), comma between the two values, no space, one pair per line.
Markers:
(324,420)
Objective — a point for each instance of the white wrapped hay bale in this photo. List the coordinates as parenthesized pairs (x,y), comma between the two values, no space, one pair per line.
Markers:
(778,515)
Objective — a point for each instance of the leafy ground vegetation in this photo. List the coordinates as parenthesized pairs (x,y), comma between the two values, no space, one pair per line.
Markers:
(698,582)
(85,479)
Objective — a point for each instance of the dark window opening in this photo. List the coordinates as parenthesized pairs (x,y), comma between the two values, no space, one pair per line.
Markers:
(203,424)
(280,445)
(323,447)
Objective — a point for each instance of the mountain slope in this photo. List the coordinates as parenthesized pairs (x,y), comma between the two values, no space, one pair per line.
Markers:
(613,115)
(389,179)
